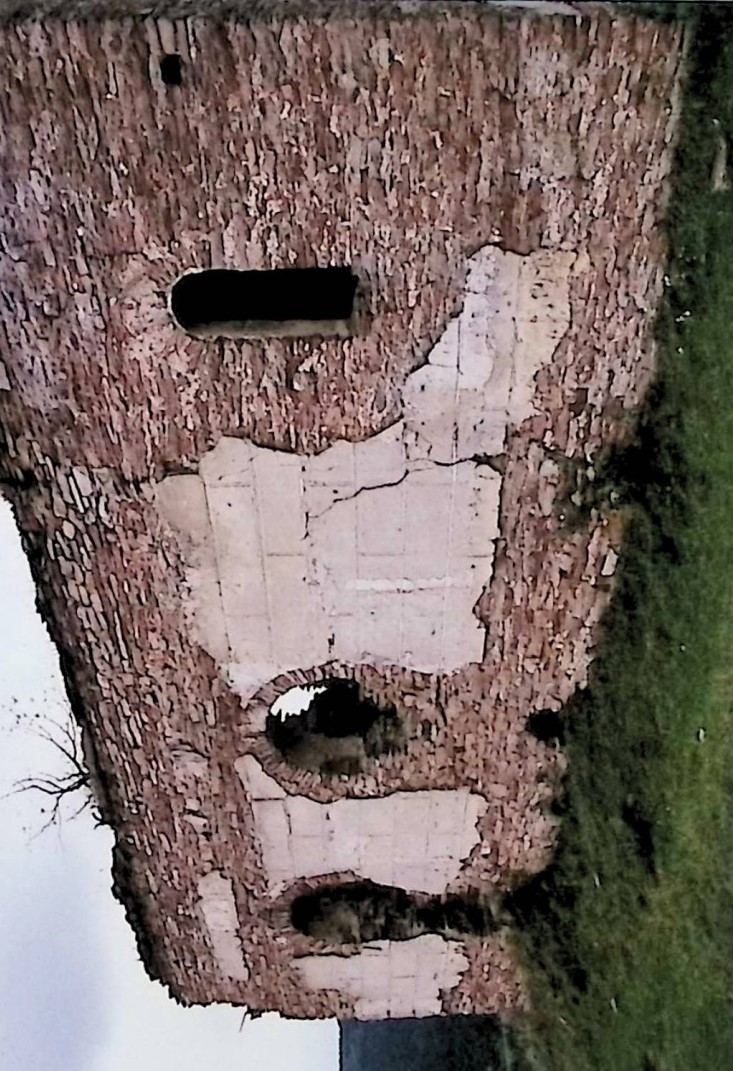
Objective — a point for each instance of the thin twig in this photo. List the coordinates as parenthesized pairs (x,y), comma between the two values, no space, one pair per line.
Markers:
(58,787)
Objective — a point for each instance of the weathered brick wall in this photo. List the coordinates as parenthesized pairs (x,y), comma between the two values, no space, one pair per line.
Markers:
(398,143)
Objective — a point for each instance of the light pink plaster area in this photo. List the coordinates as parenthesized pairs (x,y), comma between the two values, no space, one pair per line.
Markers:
(374,552)
(219,911)
(414,840)
(390,979)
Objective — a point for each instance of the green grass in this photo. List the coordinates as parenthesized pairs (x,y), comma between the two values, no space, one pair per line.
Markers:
(628,938)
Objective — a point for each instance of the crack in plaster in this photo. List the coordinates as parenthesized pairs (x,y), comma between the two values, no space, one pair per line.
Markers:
(376,551)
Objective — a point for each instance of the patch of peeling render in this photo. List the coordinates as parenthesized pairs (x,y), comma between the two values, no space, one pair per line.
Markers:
(540,7)
(390,979)
(414,840)
(219,912)
(378,551)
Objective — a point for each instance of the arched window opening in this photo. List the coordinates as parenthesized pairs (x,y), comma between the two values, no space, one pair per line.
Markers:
(332,727)
(286,302)
(359,912)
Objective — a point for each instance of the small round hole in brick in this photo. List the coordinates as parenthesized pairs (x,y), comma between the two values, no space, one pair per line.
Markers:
(332,727)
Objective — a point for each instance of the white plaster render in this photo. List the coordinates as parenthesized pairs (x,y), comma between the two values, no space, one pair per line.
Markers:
(219,910)
(375,551)
(541,7)
(391,979)
(414,840)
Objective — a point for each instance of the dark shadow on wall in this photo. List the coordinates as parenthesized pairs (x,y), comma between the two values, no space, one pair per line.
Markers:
(359,912)
(440,1043)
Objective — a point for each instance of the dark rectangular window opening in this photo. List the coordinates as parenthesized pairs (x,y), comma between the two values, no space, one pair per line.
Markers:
(280,303)
(170,69)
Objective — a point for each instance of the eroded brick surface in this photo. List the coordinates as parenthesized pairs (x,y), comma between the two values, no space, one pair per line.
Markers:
(398,142)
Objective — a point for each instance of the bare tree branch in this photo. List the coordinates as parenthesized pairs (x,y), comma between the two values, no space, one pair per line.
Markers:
(66,739)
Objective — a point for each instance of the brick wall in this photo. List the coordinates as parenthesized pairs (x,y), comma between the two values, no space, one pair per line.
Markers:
(400,142)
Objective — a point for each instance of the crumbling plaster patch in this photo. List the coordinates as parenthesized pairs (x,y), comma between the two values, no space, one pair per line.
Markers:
(540,7)
(413,840)
(377,551)
(219,912)
(390,979)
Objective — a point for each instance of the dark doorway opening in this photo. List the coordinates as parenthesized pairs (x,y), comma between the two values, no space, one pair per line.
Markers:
(171,69)
(358,912)
(336,730)
(283,302)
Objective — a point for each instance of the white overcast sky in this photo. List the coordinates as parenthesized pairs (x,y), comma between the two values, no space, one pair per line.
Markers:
(73,994)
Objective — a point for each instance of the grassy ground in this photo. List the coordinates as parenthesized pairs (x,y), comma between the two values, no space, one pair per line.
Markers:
(629,935)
